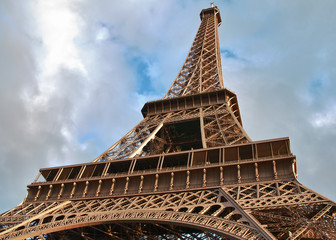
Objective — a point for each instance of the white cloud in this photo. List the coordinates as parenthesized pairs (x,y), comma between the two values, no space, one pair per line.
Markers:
(102,34)
(59,26)
(325,119)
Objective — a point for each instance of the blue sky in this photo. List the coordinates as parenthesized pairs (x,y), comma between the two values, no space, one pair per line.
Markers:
(75,74)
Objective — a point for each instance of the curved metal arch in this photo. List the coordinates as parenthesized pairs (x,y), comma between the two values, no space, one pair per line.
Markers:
(220,226)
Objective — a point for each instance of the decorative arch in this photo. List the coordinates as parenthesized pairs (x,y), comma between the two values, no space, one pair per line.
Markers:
(219,226)
(197,209)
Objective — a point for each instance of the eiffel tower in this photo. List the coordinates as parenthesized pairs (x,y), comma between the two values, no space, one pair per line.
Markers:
(188,170)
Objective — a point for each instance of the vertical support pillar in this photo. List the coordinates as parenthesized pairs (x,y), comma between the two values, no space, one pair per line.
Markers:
(141,184)
(204,177)
(221,176)
(192,157)
(86,188)
(202,128)
(159,163)
(294,167)
(256,152)
(99,187)
(156,184)
(171,181)
(49,192)
(253,151)
(73,190)
(238,174)
(275,170)
(38,193)
(61,191)
(223,157)
(112,186)
(188,162)
(126,185)
(256,171)
(188,179)
(288,148)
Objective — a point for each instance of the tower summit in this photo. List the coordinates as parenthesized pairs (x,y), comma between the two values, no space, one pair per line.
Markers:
(188,170)
(202,69)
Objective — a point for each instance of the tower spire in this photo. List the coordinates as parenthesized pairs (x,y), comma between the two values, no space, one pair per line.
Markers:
(202,70)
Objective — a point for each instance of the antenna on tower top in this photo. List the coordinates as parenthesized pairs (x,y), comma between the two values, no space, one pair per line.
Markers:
(212,4)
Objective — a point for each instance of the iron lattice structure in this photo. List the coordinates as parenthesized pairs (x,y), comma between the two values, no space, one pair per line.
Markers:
(188,170)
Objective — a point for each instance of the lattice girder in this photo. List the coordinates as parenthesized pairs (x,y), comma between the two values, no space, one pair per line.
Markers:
(245,163)
(201,71)
(221,126)
(289,209)
(209,210)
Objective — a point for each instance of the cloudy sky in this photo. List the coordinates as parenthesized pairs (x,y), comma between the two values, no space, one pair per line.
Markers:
(74,75)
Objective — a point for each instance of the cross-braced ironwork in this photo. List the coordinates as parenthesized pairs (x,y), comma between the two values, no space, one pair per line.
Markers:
(188,170)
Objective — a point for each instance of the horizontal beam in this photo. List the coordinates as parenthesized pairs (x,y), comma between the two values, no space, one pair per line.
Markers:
(245,163)
(193,101)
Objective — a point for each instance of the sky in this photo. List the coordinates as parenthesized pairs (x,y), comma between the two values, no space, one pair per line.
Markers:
(74,75)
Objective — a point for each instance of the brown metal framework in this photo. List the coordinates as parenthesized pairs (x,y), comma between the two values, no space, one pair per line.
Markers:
(188,170)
